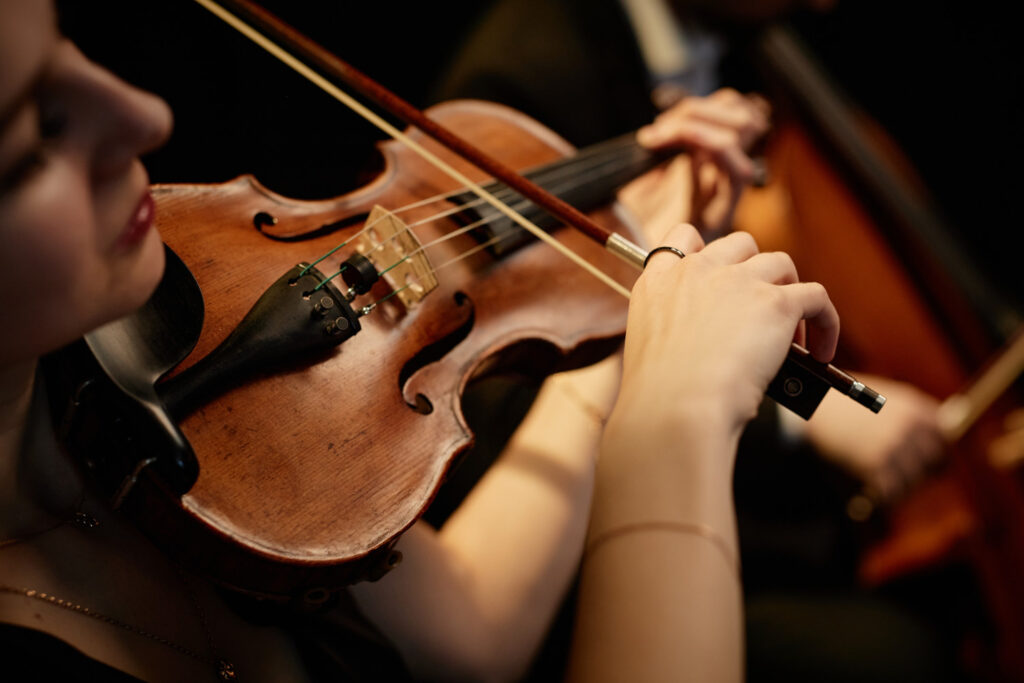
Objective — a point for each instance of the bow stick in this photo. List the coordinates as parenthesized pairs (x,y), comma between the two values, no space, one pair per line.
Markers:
(801,382)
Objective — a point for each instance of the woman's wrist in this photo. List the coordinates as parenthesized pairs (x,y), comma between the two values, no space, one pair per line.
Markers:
(672,418)
(665,470)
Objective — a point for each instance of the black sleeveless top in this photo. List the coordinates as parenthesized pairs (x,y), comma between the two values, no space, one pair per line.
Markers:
(338,644)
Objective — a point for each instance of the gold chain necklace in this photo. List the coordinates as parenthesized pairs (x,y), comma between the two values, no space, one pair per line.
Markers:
(224,669)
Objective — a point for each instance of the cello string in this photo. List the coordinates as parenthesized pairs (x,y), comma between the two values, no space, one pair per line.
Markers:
(394,132)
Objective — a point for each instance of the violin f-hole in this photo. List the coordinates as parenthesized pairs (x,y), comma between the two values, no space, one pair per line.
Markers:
(436,351)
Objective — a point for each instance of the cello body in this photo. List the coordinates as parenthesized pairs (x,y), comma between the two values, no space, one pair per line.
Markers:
(908,314)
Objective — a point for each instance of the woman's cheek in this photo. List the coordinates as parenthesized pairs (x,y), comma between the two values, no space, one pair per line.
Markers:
(51,270)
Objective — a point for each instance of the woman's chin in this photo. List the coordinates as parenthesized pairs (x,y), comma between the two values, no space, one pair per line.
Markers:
(150,267)
(141,276)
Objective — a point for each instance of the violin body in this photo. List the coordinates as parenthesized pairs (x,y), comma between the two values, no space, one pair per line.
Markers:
(309,472)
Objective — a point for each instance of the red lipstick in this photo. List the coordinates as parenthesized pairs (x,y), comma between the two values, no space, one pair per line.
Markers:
(140,223)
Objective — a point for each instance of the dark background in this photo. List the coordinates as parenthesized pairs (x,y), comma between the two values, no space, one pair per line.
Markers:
(942,77)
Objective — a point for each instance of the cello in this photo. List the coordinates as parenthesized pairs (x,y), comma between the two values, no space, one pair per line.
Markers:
(840,199)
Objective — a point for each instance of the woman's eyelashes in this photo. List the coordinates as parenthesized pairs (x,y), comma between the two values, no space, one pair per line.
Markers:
(51,123)
(52,115)
(23,169)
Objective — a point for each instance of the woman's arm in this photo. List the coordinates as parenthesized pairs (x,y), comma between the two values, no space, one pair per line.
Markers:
(660,597)
(473,600)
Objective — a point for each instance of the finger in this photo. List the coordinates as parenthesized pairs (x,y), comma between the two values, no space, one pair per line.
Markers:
(725,149)
(760,104)
(896,484)
(735,247)
(740,115)
(800,335)
(929,447)
(700,194)
(683,237)
(776,267)
(822,318)
(880,485)
(722,144)
(908,465)
(714,205)
(748,116)
(933,446)
(735,191)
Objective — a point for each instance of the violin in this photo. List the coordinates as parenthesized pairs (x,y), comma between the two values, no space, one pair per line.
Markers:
(321,463)
(301,435)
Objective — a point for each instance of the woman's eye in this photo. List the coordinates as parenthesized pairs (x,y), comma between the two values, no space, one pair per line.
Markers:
(24,169)
(52,120)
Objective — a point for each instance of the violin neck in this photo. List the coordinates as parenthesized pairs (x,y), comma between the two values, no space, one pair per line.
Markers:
(587,180)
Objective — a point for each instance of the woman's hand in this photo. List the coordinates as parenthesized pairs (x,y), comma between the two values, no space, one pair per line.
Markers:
(704,186)
(709,331)
(706,334)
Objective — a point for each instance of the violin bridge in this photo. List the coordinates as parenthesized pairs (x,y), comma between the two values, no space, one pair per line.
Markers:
(397,255)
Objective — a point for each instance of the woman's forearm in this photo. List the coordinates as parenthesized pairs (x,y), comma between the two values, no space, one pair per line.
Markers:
(660,597)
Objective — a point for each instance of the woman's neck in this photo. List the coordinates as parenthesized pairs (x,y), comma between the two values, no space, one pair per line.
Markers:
(16,382)
(37,480)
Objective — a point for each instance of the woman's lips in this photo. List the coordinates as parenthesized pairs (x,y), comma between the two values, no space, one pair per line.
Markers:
(140,223)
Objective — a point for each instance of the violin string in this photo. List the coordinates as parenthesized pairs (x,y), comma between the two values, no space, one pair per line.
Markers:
(559,177)
(544,177)
(330,277)
(443,238)
(580,168)
(464,255)
(365,227)
(370,224)
(505,194)
(397,134)
(311,265)
(575,170)
(469,252)
(519,206)
(441,196)
(609,150)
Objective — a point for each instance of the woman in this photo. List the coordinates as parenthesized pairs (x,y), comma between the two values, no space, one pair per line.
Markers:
(84,593)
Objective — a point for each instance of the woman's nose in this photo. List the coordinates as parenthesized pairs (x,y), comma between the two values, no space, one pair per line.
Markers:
(121,120)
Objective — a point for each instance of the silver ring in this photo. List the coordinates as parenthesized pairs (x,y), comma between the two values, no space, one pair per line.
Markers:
(654,251)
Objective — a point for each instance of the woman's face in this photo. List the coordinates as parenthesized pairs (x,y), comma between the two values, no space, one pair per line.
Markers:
(77,246)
